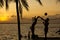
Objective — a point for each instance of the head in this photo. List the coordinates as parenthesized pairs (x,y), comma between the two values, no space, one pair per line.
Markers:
(45,14)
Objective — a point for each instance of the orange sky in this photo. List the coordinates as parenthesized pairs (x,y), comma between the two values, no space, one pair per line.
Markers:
(35,9)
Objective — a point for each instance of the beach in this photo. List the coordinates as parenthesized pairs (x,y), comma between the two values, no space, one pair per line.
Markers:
(10,31)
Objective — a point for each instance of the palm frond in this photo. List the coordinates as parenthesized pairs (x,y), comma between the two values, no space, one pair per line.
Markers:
(1,3)
(20,9)
(25,4)
(39,2)
(6,4)
(58,0)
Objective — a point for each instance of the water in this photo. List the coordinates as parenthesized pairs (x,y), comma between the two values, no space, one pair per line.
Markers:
(10,31)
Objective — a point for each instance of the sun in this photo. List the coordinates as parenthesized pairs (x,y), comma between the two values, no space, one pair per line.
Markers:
(4,18)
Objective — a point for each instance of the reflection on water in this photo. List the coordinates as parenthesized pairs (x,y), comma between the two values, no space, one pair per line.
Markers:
(9,31)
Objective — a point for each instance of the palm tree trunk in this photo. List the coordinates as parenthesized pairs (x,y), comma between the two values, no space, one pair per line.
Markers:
(18,20)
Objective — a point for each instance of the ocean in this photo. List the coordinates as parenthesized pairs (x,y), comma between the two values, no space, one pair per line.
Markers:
(10,31)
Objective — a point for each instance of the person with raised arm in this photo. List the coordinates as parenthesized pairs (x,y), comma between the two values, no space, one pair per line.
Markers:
(46,23)
(33,25)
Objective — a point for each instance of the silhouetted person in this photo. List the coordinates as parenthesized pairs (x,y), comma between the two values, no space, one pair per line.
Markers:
(46,23)
(33,25)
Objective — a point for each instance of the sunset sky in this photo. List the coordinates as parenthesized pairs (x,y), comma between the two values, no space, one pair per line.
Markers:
(35,9)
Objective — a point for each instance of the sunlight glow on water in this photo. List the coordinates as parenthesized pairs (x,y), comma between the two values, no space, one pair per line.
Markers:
(10,30)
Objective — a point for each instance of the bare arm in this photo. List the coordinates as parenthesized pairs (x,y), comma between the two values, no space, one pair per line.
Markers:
(42,18)
(38,17)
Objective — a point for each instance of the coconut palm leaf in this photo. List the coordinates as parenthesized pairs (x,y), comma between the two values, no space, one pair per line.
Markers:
(1,3)
(57,1)
(6,4)
(39,2)
(25,4)
(20,9)
(22,3)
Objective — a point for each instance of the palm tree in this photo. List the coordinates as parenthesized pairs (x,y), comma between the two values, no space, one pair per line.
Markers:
(19,4)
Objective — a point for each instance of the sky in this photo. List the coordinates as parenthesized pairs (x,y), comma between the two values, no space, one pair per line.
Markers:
(35,9)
